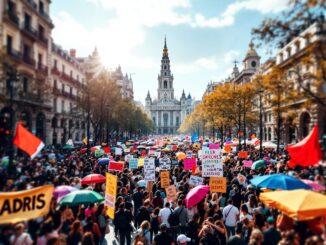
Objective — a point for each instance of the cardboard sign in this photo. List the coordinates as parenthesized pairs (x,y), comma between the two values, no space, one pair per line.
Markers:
(149,169)
(110,193)
(188,163)
(116,166)
(211,163)
(196,180)
(165,163)
(118,151)
(214,146)
(247,163)
(188,154)
(165,179)
(171,193)
(243,154)
(133,163)
(217,184)
(141,162)
(24,205)
(227,148)
(174,162)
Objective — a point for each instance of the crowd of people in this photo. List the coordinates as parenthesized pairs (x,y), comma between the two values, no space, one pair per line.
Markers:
(143,216)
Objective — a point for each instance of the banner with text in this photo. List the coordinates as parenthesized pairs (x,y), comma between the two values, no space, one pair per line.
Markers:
(165,179)
(149,169)
(217,184)
(211,163)
(110,193)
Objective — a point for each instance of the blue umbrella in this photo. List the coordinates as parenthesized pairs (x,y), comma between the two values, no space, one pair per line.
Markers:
(103,161)
(279,181)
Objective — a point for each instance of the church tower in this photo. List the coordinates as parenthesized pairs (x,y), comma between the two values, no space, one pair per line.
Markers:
(165,89)
(251,61)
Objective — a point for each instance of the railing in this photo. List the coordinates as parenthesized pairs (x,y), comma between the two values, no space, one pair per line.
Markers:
(28,60)
(45,16)
(29,29)
(32,4)
(43,40)
(13,17)
(56,71)
(30,97)
(56,91)
(42,68)
(13,53)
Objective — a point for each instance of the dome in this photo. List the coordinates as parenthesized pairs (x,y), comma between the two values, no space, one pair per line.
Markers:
(251,51)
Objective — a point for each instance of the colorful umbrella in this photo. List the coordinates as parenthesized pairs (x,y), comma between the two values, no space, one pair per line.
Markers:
(82,151)
(81,197)
(103,161)
(68,147)
(142,183)
(314,184)
(63,190)
(258,164)
(297,204)
(195,195)
(95,148)
(181,155)
(279,181)
(93,179)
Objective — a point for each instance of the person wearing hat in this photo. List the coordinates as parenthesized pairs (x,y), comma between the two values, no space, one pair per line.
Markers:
(163,238)
(183,239)
(271,235)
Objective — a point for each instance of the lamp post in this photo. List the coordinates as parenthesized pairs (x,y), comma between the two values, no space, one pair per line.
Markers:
(261,122)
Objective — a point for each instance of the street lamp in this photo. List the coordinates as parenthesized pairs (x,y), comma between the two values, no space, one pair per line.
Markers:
(261,123)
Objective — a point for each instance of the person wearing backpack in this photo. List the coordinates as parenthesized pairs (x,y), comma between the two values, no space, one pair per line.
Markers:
(143,234)
(174,220)
(164,214)
(143,213)
(183,216)
(122,222)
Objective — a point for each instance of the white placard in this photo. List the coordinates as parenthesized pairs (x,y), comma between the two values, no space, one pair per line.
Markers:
(165,163)
(118,151)
(149,169)
(195,180)
(211,163)
(188,154)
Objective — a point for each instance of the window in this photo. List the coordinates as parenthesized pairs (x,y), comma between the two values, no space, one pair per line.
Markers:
(55,105)
(154,120)
(26,51)
(41,7)
(297,46)
(40,32)
(70,73)
(63,88)
(70,106)
(39,60)
(25,84)
(55,84)
(164,67)
(165,73)
(253,63)
(165,84)
(9,44)
(27,21)
(177,121)
(165,119)
(63,106)
(288,52)
(55,64)
(11,7)
(70,90)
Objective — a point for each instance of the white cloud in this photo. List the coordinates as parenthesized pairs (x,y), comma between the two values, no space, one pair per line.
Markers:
(230,56)
(228,16)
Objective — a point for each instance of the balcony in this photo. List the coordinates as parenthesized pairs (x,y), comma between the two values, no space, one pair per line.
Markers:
(43,40)
(42,68)
(15,54)
(31,4)
(56,91)
(32,98)
(12,17)
(55,71)
(29,31)
(29,60)
(45,16)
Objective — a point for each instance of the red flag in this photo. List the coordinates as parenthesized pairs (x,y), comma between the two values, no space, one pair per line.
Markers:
(28,142)
(257,142)
(193,168)
(307,152)
(116,166)
(107,149)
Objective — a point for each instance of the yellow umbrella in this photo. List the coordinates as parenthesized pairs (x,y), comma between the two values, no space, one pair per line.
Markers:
(181,155)
(297,204)
(196,145)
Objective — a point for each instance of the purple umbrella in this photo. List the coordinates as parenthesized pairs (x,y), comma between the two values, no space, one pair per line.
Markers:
(62,190)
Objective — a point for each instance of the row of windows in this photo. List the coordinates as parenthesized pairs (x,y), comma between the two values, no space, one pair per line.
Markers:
(63,68)
(165,120)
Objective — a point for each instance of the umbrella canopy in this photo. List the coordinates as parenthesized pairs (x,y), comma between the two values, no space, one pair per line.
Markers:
(142,183)
(258,164)
(95,148)
(82,151)
(68,147)
(297,204)
(93,179)
(141,147)
(195,195)
(279,181)
(62,190)
(103,161)
(181,155)
(314,185)
(81,197)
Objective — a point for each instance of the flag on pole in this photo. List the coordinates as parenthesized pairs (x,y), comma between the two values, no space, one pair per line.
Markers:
(27,142)
(307,152)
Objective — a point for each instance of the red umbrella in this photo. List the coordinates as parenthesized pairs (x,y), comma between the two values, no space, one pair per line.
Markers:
(82,151)
(195,195)
(93,179)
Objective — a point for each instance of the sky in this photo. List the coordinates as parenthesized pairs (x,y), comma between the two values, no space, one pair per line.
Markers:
(204,37)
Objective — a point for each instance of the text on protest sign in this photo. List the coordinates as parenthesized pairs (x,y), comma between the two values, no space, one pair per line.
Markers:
(116,166)
(118,151)
(214,146)
(188,163)
(165,163)
(165,179)
(133,163)
(110,193)
(217,184)
(149,169)
(247,163)
(171,193)
(24,205)
(211,163)
(196,180)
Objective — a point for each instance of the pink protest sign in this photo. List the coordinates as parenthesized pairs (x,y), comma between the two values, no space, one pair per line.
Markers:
(214,146)
(188,163)
(247,163)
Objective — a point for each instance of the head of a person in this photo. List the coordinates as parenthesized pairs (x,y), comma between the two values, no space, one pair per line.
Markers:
(145,225)
(88,238)
(167,204)
(180,202)
(239,228)
(183,239)
(158,194)
(270,221)
(196,217)
(230,202)
(19,229)
(75,227)
(121,206)
(256,237)
(156,211)
(244,208)
(163,228)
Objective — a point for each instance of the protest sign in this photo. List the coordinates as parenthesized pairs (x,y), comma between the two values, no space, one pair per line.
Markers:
(25,205)
(211,163)
(118,151)
(200,154)
(149,169)
(243,154)
(165,163)
(195,180)
(174,162)
(188,154)
(188,163)
(110,193)
(233,148)
(227,148)
(165,179)
(99,153)
(151,152)
(133,163)
(247,163)
(116,166)
(217,184)
(141,162)
(214,146)
(171,193)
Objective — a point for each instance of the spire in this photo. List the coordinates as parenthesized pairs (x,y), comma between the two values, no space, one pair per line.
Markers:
(148,95)
(251,51)
(183,96)
(189,96)
(165,49)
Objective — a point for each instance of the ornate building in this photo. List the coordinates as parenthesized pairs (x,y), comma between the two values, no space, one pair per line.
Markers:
(166,111)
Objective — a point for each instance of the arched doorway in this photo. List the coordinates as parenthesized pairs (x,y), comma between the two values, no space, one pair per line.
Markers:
(40,126)
(304,124)
(25,119)
(5,128)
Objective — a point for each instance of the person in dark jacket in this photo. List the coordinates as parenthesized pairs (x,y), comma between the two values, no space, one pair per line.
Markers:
(271,236)
(122,223)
